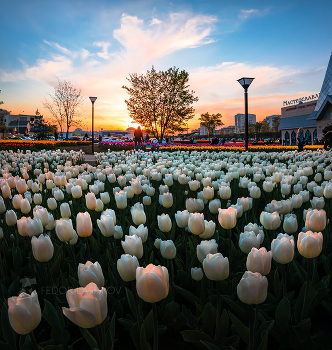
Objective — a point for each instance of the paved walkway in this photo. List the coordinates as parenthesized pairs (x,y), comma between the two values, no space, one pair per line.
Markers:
(89,158)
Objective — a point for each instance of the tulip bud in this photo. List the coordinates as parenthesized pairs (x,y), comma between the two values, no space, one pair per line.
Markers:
(167,249)
(106,225)
(118,233)
(99,206)
(225,192)
(80,312)
(270,221)
(196,273)
(310,244)
(164,223)
(91,201)
(252,288)
(248,240)
(42,248)
(210,227)
(83,224)
(51,223)
(76,191)
(227,218)
(22,226)
(25,206)
(2,206)
(105,197)
(205,248)
(37,198)
(64,230)
(147,200)
(196,223)
(259,260)
(127,266)
(137,214)
(58,195)
(17,201)
(65,211)
(24,307)
(21,186)
(194,185)
(181,218)
(133,246)
(290,224)
(166,200)
(34,227)
(157,242)
(214,206)
(216,267)
(316,220)
(255,192)
(41,213)
(11,218)
(90,272)
(152,283)
(283,248)
(52,203)
(121,200)
(141,231)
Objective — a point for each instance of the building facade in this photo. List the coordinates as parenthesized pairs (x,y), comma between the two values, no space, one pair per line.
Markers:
(240,122)
(312,116)
(23,123)
(269,119)
(228,130)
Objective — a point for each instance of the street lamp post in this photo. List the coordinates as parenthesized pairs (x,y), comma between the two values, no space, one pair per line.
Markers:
(93,100)
(245,83)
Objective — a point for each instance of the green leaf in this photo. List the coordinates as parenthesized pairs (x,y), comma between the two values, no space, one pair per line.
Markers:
(300,301)
(210,346)
(283,314)
(223,324)
(56,266)
(241,329)
(144,344)
(188,295)
(160,235)
(148,325)
(7,331)
(112,329)
(89,338)
(209,319)
(131,302)
(55,320)
(192,336)
(276,284)
(135,335)
(300,271)
(128,324)
(235,307)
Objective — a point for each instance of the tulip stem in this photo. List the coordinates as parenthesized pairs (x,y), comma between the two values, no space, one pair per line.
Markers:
(34,342)
(230,248)
(87,247)
(256,317)
(284,287)
(211,292)
(251,327)
(185,246)
(306,291)
(97,337)
(155,326)
(218,309)
(72,253)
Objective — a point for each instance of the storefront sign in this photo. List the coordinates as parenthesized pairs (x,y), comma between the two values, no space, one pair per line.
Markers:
(301,99)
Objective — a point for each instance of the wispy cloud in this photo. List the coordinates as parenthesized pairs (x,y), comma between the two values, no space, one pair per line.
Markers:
(252,13)
(104,54)
(58,47)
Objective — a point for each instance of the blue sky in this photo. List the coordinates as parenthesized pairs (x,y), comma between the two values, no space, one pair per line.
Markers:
(285,45)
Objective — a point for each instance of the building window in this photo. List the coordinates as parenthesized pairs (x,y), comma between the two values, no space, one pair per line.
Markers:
(293,138)
(308,137)
(315,135)
(286,138)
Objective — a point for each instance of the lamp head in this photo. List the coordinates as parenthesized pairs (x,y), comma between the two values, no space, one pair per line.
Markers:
(245,82)
(93,99)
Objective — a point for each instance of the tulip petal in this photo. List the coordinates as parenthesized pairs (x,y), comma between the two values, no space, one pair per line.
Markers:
(80,317)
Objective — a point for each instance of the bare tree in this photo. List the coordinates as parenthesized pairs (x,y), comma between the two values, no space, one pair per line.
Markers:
(64,105)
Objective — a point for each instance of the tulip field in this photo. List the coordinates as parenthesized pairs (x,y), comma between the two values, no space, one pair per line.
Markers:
(182,249)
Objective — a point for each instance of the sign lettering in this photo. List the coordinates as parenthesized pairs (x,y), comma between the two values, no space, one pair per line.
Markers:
(301,99)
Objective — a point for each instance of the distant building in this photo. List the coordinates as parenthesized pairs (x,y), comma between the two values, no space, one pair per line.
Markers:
(240,122)
(22,122)
(228,130)
(312,116)
(269,119)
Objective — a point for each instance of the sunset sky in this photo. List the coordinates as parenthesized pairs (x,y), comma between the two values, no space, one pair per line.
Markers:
(284,45)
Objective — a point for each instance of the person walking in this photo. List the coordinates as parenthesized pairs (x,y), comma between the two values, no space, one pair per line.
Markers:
(328,140)
(138,138)
(300,139)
